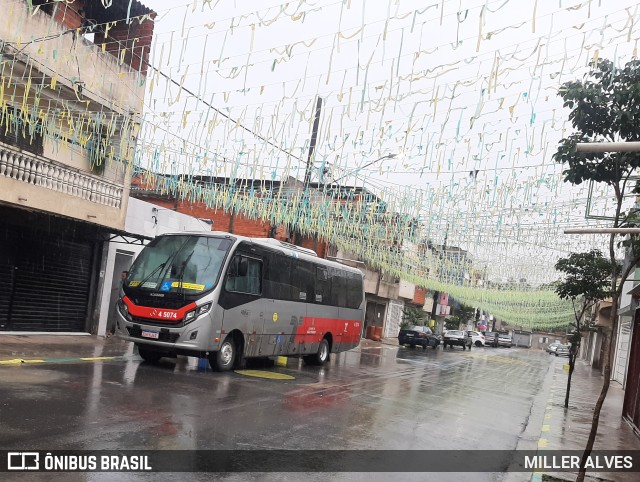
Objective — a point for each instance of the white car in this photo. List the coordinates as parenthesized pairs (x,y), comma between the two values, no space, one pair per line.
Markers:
(477,338)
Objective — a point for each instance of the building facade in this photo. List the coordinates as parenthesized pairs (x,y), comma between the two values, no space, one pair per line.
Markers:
(71,92)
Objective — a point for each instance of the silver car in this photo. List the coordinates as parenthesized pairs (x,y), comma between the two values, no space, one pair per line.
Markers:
(504,339)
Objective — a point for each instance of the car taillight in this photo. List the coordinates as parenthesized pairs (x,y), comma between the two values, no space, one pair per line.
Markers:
(420,335)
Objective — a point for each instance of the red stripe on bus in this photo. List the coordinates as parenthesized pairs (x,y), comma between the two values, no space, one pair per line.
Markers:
(343,331)
(164,314)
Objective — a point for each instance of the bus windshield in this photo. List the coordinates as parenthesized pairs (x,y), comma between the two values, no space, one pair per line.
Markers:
(179,264)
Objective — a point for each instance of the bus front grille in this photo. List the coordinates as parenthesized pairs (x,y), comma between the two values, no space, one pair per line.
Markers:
(166,336)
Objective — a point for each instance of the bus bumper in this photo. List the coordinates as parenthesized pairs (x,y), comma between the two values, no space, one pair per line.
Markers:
(191,339)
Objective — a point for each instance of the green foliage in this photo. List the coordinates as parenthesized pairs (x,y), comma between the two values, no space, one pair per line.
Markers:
(587,276)
(605,106)
(412,316)
(463,314)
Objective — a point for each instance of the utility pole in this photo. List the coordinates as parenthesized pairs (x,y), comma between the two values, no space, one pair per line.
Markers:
(312,145)
(297,237)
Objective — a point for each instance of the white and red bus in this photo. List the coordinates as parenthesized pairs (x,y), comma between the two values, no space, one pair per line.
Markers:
(227,298)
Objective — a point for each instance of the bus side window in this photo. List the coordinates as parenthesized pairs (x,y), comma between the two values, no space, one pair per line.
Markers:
(323,286)
(244,276)
(338,284)
(304,282)
(354,290)
(277,277)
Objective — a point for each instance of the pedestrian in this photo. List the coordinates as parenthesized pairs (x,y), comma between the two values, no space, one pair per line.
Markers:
(115,295)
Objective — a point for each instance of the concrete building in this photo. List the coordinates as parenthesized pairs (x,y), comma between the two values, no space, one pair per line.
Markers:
(71,94)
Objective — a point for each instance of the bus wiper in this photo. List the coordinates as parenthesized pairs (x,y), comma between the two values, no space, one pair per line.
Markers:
(155,270)
(184,267)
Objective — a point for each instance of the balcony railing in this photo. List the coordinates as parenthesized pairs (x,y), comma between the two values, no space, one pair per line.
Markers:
(31,169)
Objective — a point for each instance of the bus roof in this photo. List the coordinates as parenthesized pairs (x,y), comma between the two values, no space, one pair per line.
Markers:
(273,244)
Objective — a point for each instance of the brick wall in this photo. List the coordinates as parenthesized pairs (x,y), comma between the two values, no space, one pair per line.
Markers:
(134,38)
(223,220)
(231,223)
(67,13)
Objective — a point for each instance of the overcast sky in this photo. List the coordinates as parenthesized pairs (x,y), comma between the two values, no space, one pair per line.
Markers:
(447,87)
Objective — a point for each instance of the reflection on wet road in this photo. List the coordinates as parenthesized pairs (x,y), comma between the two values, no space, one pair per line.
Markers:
(374,397)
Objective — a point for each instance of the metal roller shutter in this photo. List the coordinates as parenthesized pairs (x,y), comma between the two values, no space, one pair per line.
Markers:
(48,289)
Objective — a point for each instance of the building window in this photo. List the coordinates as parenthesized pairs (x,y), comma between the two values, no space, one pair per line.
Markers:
(25,135)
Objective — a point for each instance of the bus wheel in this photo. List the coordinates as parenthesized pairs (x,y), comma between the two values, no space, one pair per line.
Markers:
(321,357)
(222,360)
(148,354)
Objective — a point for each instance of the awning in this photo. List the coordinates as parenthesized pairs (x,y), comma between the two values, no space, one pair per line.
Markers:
(635,291)
(627,310)
(121,236)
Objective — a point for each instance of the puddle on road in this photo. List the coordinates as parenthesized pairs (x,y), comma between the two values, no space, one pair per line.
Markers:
(30,375)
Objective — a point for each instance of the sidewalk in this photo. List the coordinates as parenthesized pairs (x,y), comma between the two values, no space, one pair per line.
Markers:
(568,429)
(29,347)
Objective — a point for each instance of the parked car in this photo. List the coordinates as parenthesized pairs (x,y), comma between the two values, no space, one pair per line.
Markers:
(457,338)
(562,350)
(491,338)
(504,339)
(418,335)
(551,349)
(477,338)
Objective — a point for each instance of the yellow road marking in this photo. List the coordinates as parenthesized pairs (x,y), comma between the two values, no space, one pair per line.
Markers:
(546,428)
(19,361)
(547,416)
(542,443)
(265,374)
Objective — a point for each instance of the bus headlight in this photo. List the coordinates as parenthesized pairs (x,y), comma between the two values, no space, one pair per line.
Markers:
(124,310)
(193,314)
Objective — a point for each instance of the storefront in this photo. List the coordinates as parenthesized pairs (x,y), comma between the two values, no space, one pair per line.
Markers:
(47,272)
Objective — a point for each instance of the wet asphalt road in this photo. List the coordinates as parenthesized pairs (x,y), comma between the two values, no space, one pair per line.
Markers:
(373,397)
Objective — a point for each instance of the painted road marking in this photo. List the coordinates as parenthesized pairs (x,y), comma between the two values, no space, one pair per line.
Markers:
(265,374)
(22,361)
(19,361)
(546,428)
(542,443)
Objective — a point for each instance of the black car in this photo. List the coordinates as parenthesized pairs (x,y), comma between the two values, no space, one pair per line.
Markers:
(491,338)
(418,335)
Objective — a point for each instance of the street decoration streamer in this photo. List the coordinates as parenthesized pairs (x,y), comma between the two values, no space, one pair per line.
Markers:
(433,156)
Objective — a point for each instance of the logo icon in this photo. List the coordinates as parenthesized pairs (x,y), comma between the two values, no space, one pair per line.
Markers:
(23,460)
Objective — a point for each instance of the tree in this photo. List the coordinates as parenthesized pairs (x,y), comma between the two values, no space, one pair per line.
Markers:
(586,282)
(463,314)
(412,316)
(605,106)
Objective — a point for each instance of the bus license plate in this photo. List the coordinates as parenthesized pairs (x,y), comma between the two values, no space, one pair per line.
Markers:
(150,334)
